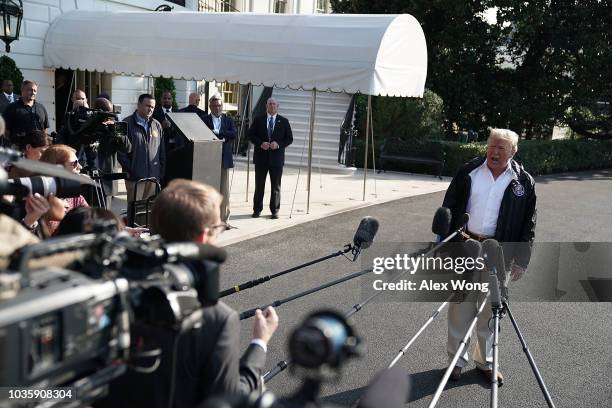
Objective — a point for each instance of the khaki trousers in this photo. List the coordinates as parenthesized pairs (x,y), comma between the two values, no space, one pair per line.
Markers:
(460,315)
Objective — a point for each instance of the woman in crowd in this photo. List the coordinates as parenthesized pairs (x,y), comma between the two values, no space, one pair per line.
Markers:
(65,156)
(32,146)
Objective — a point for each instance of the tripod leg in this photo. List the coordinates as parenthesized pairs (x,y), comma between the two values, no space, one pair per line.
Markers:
(462,345)
(532,362)
(494,383)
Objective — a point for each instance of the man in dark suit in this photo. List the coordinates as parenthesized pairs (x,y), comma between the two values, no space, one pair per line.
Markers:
(194,102)
(270,135)
(208,358)
(7,96)
(223,127)
(159,114)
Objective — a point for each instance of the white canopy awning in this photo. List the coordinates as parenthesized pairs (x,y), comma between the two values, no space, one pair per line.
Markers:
(371,54)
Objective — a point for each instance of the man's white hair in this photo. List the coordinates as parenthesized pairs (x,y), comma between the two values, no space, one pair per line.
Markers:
(216,97)
(506,134)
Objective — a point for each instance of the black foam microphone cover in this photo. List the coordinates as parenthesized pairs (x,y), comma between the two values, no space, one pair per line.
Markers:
(364,236)
(490,252)
(494,258)
(472,248)
(463,221)
(441,222)
(390,389)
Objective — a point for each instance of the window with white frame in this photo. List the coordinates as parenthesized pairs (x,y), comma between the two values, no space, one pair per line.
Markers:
(322,6)
(280,6)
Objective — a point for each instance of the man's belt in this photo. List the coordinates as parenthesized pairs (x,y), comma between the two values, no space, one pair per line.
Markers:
(472,235)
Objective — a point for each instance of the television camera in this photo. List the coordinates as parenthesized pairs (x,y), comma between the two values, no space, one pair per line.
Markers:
(69,325)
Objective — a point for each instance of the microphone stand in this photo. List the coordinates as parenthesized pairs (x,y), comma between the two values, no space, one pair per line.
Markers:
(251,312)
(500,306)
(283,364)
(497,312)
(532,363)
(452,364)
(421,330)
(347,248)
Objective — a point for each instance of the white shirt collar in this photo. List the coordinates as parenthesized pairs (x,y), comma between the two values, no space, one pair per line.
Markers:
(509,169)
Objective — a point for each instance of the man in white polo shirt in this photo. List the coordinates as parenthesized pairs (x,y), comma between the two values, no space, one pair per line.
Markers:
(499,195)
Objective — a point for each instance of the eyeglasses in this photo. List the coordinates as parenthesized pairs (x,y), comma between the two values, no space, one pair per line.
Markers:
(219,228)
(215,106)
(73,164)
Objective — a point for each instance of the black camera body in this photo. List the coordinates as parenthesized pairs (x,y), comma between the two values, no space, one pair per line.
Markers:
(87,126)
(71,328)
(64,326)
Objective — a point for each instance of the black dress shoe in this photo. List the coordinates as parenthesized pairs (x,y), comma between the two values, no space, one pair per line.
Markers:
(455,374)
(489,373)
(255,214)
(274,216)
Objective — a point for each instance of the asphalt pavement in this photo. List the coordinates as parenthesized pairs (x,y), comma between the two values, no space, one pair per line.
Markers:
(570,341)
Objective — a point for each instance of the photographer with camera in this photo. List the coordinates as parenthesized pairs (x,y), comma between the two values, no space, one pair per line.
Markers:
(94,133)
(111,142)
(207,360)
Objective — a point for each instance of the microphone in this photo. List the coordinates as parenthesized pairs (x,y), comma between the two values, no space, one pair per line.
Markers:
(441,222)
(494,259)
(389,389)
(196,252)
(463,221)
(364,236)
(472,248)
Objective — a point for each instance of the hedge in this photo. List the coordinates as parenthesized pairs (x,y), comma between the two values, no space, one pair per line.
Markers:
(537,156)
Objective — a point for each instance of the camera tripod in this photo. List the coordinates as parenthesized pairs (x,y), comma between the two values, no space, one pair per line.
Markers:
(500,307)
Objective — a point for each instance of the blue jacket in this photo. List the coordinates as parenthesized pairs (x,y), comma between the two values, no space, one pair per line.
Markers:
(147,157)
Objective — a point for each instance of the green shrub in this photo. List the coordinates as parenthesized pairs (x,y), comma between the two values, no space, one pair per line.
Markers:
(9,70)
(537,156)
(162,85)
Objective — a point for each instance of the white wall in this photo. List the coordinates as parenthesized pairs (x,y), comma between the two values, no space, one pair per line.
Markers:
(28,50)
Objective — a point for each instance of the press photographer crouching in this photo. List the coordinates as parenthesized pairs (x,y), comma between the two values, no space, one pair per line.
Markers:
(207,361)
(99,135)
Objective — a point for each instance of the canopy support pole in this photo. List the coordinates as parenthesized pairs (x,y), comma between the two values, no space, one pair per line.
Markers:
(367,146)
(246,196)
(313,105)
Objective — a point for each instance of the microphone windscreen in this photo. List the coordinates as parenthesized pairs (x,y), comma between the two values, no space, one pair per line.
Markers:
(389,389)
(364,236)
(441,222)
(463,221)
(473,248)
(489,250)
(494,290)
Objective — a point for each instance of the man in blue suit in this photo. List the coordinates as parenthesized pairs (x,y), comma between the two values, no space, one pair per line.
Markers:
(270,135)
(223,127)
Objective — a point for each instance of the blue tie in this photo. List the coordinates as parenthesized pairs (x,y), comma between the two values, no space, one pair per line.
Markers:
(270,128)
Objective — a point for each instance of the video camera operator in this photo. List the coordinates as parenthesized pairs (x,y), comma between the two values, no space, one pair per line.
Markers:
(96,133)
(207,360)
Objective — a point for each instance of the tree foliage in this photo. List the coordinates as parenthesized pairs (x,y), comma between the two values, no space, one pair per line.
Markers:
(9,70)
(410,118)
(543,63)
(162,85)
